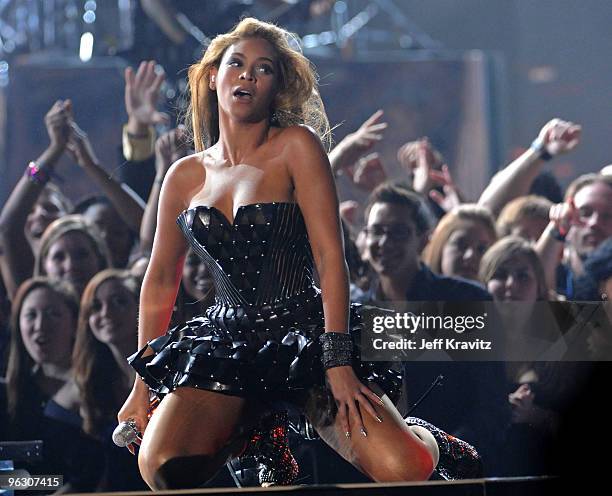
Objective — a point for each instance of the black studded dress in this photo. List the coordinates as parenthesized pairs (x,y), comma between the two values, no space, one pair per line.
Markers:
(260,336)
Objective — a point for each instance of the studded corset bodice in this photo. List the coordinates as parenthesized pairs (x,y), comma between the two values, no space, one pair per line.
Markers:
(261,265)
(261,334)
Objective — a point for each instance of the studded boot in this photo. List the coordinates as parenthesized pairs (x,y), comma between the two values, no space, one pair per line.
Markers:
(458,459)
(269,446)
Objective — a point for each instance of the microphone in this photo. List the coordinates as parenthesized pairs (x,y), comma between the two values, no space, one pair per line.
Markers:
(125,433)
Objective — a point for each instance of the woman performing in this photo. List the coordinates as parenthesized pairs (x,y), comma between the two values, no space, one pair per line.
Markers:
(258,204)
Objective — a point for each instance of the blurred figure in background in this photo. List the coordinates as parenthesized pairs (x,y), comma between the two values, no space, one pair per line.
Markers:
(73,250)
(41,395)
(525,216)
(106,336)
(459,241)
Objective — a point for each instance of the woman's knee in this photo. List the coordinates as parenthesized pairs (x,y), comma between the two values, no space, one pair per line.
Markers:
(172,471)
(403,457)
(399,466)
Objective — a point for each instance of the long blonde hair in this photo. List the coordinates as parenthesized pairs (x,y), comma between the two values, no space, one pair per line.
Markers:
(297,100)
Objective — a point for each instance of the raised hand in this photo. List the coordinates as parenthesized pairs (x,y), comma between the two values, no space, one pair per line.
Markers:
(141,97)
(564,216)
(369,133)
(79,146)
(369,172)
(419,158)
(559,136)
(451,197)
(57,122)
(348,211)
(355,144)
(170,147)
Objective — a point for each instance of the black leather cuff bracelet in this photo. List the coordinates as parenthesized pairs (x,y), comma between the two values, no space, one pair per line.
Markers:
(337,348)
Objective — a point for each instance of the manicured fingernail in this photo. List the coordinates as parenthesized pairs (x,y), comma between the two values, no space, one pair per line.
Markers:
(379,419)
(363,431)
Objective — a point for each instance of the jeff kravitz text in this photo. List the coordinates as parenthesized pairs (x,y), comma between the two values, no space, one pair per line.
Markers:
(398,332)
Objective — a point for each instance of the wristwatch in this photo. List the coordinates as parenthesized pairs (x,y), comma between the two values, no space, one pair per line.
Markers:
(539,147)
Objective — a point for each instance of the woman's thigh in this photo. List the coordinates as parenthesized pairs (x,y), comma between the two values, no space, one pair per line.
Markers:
(390,450)
(190,422)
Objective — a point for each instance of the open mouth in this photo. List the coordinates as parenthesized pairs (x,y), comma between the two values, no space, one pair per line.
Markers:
(243,94)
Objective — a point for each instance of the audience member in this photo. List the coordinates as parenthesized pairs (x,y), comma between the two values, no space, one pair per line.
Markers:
(25,215)
(525,216)
(42,403)
(119,238)
(468,404)
(459,241)
(106,336)
(73,250)
(577,227)
(555,138)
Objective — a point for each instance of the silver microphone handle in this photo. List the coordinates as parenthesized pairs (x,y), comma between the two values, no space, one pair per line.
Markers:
(125,433)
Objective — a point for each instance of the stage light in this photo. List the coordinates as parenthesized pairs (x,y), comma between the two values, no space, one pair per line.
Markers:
(86,49)
(89,17)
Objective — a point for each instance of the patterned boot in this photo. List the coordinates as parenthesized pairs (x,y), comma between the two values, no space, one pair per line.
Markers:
(458,459)
(269,446)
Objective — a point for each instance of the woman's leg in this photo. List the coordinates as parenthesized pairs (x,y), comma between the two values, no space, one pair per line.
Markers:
(191,435)
(391,451)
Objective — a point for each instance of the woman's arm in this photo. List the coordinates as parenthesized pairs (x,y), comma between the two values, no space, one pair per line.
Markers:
(169,148)
(162,279)
(128,204)
(315,193)
(354,145)
(16,254)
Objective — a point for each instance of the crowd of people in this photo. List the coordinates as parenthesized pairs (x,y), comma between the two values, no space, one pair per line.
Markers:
(72,272)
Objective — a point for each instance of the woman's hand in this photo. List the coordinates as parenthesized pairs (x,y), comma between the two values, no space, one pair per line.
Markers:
(79,146)
(355,144)
(369,172)
(351,396)
(136,408)
(170,147)
(141,97)
(57,122)
(451,197)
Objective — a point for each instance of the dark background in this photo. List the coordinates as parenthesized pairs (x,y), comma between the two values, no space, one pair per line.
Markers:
(534,60)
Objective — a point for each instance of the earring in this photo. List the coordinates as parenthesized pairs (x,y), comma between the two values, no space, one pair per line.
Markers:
(212,82)
(274,117)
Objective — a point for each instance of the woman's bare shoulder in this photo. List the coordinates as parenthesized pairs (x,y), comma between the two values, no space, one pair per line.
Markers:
(302,146)
(187,172)
(300,141)
(300,134)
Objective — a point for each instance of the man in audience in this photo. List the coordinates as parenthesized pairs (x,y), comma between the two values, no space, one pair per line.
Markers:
(471,402)
(397,226)
(577,227)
